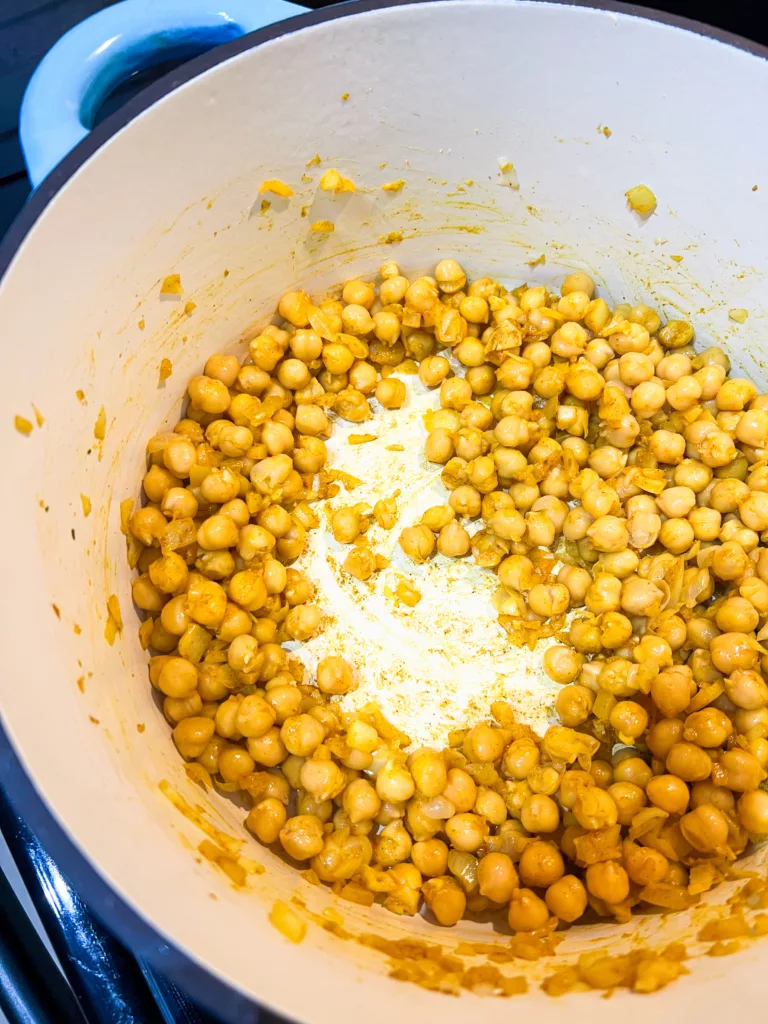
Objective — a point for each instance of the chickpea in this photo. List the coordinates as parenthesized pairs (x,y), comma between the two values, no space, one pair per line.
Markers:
(418,542)
(643,865)
(460,790)
(466,832)
(648,398)
(302,735)
(393,844)
(562,664)
(578,581)
(735,394)
(640,597)
(709,727)
(429,772)
(541,864)
(753,812)
(235,763)
(629,799)
(267,819)
(394,783)
(430,856)
(361,801)
(732,651)
(491,806)
(688,762)
(302,836)
(604,594)
(146,595)
(269,749)
(738,770)
(754,511)
(602,773)
(208,395)
(445,899)
(595,808)
(285,701)
(390,393)
(179,457)
(607,881)
(192,735)
(433,370)
(497,877)
(177,678)
(574,705)
(484,743)
(566,898)
(540,814)
(439,446)
(629,719)
(746,689)
(520,759)
(527,912)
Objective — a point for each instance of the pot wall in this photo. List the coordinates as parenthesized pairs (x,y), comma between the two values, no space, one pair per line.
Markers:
(438,94)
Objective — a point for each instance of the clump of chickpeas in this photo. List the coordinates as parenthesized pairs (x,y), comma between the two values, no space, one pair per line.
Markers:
(615,481)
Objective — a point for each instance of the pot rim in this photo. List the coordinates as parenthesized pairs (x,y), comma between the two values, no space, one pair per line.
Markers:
(138,935)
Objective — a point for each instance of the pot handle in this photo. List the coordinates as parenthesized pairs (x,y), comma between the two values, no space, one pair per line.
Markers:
(86,64)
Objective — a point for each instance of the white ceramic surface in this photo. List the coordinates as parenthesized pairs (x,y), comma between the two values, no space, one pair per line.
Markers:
(438,93)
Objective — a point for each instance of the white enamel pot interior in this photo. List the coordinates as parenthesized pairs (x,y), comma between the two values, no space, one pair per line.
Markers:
(438,94)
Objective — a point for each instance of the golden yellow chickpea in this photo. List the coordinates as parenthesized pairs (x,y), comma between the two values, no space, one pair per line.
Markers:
(566,898)
(208,395)
(629,719)
(574,705)
(430,856)
(709,727)
(302,735)
(269,749)
(688,762)
(705,828)
(192,735)
(540,814)
(429,772)
(753,812)
(738,770)
(433,370)
(549,599)
(235,763)
(541,864)
(390,393)
(607,881)
(345,524)
(302,836)
(255,716)
(460,790)
(732,651)
(335,675)
(445,898)
(466,832)
(643,864)
(394,783)
(595,808)
(629,799)
(527,911)
(418,542)
(267,819)
(484,743)
(497,878)
(562,664)
(177,678)
(746,689)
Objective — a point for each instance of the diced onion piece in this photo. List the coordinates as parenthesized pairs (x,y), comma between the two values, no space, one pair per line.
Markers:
(641,199)
(287,922)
